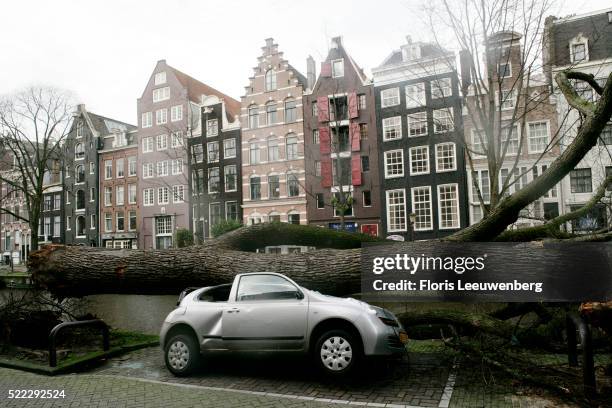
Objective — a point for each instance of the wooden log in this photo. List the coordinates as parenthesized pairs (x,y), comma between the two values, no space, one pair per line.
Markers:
(72,271)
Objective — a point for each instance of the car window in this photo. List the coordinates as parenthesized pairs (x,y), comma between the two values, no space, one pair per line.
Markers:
(265,287)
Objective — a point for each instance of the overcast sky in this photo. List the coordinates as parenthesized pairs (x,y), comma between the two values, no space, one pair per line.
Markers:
(104,51)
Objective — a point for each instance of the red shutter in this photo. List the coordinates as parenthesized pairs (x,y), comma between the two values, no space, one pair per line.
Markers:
(326,70)
(352,105)
(356,169)
(326,172)
(355,137)
(324,141)
(323,108)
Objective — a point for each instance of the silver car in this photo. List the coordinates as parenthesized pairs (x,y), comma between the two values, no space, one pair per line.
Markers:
(268,312)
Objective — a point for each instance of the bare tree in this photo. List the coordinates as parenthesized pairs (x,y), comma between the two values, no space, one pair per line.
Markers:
(498,104)
(33,124)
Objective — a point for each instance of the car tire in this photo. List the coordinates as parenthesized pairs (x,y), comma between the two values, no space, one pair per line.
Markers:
(337,353)
(182,355)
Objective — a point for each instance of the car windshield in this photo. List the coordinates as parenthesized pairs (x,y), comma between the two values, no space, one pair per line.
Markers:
(265,287)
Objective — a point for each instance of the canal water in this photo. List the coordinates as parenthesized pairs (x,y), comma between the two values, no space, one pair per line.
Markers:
(139,313)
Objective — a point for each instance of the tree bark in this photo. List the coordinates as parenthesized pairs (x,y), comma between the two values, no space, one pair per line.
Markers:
(72,271)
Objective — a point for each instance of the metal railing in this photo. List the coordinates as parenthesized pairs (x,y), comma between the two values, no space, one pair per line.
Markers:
(55,331)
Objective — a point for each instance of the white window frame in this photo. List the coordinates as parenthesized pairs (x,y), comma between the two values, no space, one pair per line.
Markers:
(437,157)
(410,161)
(386,125)
(408,120)
(160,78)
(148,144)
(212,127)
(456,205)
(148,170)
(517,138)
(132,189)
(333,69)
(446,111)
(175,192)
(225,173)
(177,166)
(148,197)
(390,176)
(529,138)
(420,99)
(438,91)
(161,94)
(161,142)
(161,116)
(389,97)
(176,113)
(162,168)
(163,195)
(476,142)
(146,120)
(505,104)
(387,208)
(92,221)
(225,142)
(412,195)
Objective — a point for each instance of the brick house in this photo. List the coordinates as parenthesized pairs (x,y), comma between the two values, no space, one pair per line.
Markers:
(273,169)
(528,139)
(583,43)
(340,141)
(119,189)
(421,154)
(169,111)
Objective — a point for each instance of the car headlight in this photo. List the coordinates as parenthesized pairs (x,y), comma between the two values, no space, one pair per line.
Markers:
(388,321)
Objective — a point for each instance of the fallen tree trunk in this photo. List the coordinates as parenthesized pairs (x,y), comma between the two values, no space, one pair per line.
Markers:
(77,271)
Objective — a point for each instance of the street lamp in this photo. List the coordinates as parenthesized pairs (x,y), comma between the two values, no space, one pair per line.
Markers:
(412,218)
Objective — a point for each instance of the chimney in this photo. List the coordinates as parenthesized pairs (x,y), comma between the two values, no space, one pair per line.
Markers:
(311,73)
(336,42)
(465,61)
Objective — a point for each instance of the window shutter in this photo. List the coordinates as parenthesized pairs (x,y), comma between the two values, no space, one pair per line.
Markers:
(324,141)
(326,172)
(352,105)
(323,108)
(356,169)
(326,70)
(355,137)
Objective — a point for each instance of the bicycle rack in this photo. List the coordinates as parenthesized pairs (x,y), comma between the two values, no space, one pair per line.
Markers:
(55,331)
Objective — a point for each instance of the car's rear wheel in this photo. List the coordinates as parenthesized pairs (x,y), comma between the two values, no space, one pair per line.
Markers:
(182,355)
(338,352)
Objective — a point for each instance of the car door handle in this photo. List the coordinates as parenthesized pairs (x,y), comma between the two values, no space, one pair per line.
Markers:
(234,309)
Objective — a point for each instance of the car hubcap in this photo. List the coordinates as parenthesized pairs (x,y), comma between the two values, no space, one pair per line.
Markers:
(336,353)
(178,355)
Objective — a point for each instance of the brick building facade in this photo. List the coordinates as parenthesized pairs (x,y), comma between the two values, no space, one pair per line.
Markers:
(273,169)
(341,149)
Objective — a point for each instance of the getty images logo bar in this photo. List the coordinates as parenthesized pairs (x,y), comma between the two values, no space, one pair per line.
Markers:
(504,272)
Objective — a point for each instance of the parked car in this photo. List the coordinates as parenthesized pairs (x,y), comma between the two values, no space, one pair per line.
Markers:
(268,312)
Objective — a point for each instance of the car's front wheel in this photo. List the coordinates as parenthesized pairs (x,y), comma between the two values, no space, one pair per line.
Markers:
(337,352)
(182,355)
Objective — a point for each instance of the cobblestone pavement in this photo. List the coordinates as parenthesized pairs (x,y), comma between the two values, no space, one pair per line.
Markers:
(85,390)
(419,384)
(140,379)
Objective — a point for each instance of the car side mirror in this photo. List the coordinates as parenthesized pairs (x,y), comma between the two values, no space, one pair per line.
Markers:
(299,295)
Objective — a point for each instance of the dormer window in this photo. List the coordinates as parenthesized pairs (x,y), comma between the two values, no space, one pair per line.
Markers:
(338,68)
(120,139)
(160,78)
(411,52)
(579,49)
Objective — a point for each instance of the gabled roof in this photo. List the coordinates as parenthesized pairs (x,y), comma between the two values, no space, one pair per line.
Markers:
(195,90)
(106,125)
(301,78)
